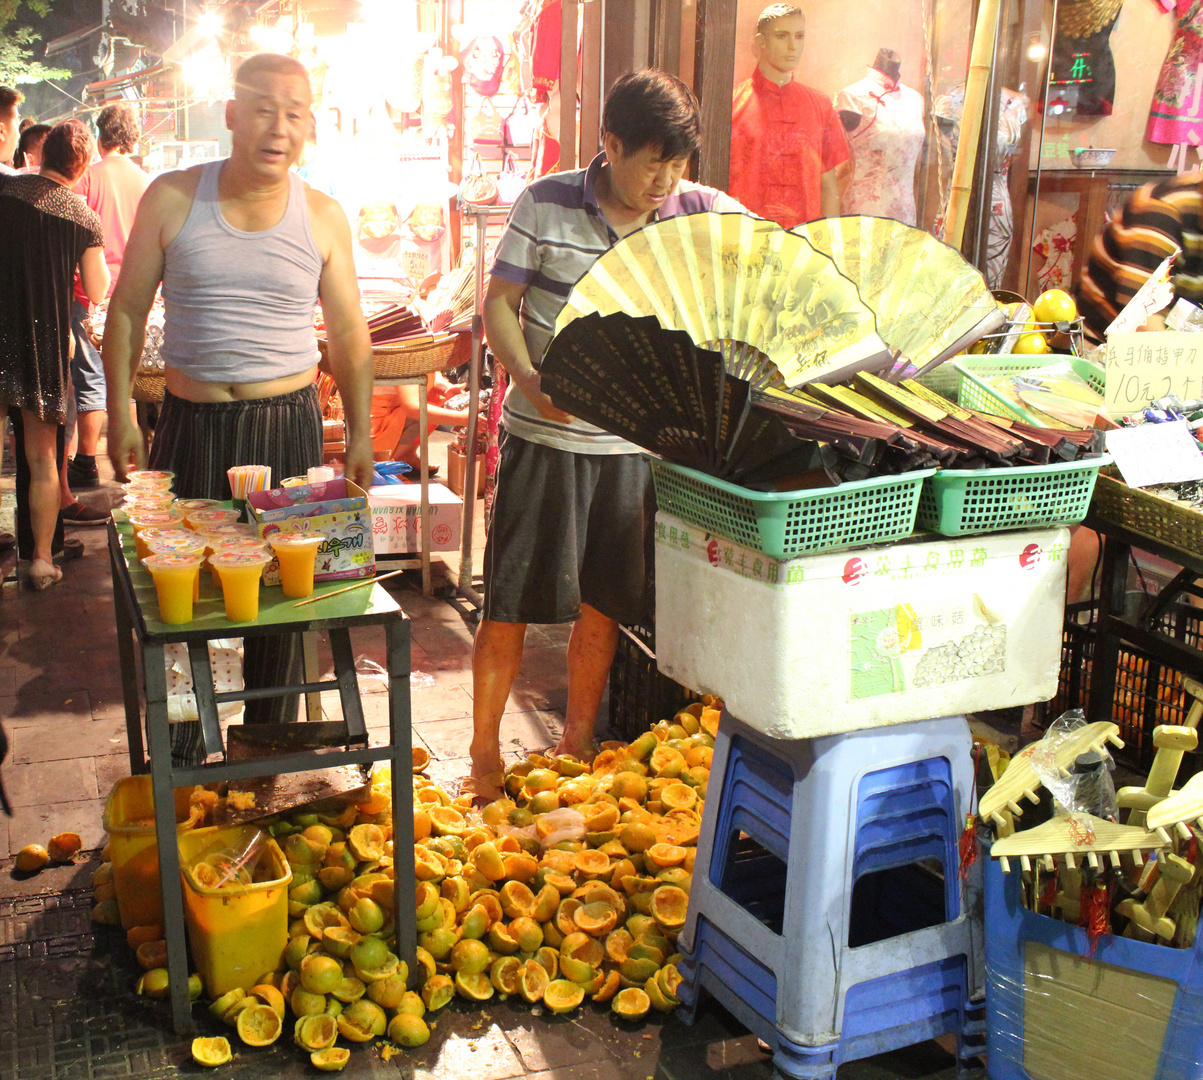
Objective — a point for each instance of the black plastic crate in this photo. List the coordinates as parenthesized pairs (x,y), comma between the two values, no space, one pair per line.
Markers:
(640,695)
(1148,691)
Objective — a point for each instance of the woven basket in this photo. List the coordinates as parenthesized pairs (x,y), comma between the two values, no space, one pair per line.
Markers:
(410,358)
(149,385)
(1171,523)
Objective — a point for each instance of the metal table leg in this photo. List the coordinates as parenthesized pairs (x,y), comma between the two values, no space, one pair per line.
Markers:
(126,658)
(159,733)
(401,738)
(348,685)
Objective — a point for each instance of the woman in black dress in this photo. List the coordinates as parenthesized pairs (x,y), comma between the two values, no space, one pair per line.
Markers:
(45,232)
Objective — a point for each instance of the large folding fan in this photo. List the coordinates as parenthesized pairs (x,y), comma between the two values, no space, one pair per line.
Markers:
(777,310)
(930,303)
(657,389)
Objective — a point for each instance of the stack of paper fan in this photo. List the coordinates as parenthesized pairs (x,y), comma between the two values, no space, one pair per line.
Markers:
(657,389)
(929,302)
(778,310)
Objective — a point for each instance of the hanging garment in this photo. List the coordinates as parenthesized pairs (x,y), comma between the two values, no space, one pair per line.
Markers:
(1056,245)
(1012,115)
(1083,69)
(1175,114)
(885,146)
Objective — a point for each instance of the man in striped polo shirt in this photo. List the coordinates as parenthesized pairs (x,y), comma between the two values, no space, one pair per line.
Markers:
(568,537)
(1155,220)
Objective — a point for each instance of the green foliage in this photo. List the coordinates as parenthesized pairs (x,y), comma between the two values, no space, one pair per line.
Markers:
(10,8)
(17,66)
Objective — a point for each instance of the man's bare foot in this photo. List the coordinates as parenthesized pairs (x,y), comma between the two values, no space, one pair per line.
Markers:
(43,574)
(485,786)
(576,744)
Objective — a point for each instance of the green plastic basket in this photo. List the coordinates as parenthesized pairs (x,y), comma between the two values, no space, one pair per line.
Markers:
(959,501)
(979,395)
(785,524)
(943,379)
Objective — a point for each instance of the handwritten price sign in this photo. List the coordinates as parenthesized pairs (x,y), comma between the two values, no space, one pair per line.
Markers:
(1144,367)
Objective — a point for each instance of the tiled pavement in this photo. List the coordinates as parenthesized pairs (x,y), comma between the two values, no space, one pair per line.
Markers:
(66,1007)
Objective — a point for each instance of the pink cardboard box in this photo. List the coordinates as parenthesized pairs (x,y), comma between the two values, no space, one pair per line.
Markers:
(337,509)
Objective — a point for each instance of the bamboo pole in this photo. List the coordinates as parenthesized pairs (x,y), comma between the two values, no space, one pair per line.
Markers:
(971,122)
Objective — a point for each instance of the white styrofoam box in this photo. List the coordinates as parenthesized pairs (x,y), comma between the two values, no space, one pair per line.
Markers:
(397,522)
(822,644)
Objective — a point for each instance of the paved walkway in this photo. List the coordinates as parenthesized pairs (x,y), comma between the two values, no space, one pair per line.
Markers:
(66,1007)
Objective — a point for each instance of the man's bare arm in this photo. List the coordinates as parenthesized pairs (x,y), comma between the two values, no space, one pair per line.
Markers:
(94,274)
(829,193)
(508,343)
(350,345)
(125,323)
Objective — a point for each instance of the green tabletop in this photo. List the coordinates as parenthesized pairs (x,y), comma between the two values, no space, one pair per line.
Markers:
(371,603)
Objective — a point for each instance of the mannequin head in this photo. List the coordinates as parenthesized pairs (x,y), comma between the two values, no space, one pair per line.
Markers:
(780,36)
(889,63)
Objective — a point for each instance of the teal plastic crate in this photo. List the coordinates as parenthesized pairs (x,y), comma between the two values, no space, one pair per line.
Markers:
(959,501)
(785,524)
(974,393)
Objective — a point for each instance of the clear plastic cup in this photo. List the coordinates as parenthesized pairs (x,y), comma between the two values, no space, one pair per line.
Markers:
(297,554)
(213,515)
(249,544)
(175,583)
(148,519)
(240,574)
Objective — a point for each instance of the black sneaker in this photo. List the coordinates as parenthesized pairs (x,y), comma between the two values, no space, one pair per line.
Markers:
(80,476)
(80,514)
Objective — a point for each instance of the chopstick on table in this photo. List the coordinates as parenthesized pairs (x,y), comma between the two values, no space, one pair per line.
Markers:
(348,588)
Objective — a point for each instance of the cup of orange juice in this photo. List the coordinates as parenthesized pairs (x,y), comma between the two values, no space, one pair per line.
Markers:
(240,572)
(175,577)
(215,543)
(186,544)
(297,554)
(188,505)
(148,500)
(151,478)
(147,519)
(213,515)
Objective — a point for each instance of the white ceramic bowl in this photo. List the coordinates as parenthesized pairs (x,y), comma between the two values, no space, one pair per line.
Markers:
(1090,158)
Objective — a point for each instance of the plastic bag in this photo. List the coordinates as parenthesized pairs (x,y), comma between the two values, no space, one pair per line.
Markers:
(563,823)
(232,862)
(1087,787)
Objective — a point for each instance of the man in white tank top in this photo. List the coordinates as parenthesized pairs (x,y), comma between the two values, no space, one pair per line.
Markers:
(268,119)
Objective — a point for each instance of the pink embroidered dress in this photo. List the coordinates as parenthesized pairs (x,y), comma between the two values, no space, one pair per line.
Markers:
(885,146)
(1175,114)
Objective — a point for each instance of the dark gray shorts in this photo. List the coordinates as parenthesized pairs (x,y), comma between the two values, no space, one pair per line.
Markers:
(568,529)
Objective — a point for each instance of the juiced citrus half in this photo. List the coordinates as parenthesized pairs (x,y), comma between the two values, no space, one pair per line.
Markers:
(211,1051)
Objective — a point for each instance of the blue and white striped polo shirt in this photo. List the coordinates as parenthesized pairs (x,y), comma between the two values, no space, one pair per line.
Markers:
(553,235)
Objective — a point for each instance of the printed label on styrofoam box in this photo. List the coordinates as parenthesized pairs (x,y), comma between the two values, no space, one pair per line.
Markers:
(918,646)
(903,561)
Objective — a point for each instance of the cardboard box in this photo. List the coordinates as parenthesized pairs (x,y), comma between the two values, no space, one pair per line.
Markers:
(457,467)
(397,520)
(866,637)
(338,509)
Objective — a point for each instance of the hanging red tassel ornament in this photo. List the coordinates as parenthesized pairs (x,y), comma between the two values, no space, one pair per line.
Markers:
(967,848)
(1049,896)
(1095,915)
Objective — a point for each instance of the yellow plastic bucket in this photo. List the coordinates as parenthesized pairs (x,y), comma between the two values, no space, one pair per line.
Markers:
(239,931)
(129,821)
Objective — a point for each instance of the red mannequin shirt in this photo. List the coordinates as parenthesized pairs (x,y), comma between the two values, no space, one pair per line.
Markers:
(783,138)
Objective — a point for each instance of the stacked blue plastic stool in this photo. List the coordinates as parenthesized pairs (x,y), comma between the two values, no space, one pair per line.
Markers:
(826,911)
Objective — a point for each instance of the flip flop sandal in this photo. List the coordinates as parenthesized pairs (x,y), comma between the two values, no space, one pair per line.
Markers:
(484,789)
